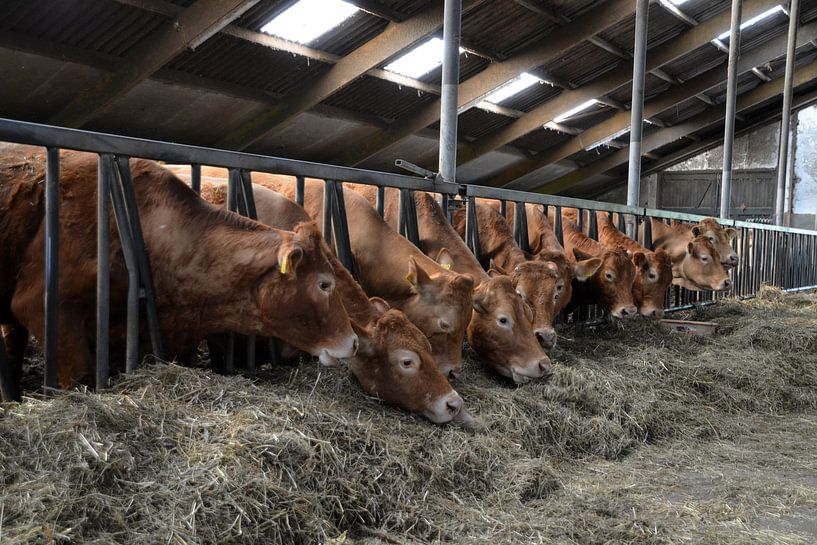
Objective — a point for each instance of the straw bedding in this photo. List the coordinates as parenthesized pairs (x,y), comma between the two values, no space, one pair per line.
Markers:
(640,437)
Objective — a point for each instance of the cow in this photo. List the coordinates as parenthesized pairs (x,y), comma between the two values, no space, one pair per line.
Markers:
(652,276)
(675,238)
(213,271)
(437,300)
(393,361)
(539,280)
(501,330)
(611,284)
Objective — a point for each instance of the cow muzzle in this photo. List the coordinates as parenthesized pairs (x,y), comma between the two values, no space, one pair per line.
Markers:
(625,313)
(537,369)
(546,337)
(445,409)
(331,356)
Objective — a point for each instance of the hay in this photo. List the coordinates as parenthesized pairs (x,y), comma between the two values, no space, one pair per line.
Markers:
(640,437)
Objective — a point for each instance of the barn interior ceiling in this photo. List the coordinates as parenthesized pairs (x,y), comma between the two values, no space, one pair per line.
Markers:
(544,93)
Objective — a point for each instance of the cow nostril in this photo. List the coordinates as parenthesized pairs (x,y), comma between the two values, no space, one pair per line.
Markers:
(453,375)
(727,283)
(544,367)
(454,405)
(355,344)
(625,312)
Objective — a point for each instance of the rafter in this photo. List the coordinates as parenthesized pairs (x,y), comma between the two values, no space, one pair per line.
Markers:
(657,57)
(188,30)
(708,118)
(474,89)
(693,87)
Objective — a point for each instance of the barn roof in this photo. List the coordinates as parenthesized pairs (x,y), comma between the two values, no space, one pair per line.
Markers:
(202,72)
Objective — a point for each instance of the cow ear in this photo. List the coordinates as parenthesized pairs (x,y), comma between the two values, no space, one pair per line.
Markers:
(730,233)
(366,345)
(380,305)
(480,303)
(640,260)
(289,257)
(552,269)
(696,231)
(445,259)
(691,249)
(417,276)
(587,268)
(493,273)
(581,255)
(493,266)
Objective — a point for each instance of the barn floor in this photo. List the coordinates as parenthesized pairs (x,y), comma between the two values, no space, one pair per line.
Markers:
(640,437)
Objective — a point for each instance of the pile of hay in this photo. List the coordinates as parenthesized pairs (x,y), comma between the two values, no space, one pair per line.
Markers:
(640,437)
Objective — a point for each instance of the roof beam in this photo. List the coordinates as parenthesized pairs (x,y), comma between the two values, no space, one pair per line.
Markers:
(693,87)
(394,39)
(708,118)
(188,30)
(657,57)
(676,12)
(474,89)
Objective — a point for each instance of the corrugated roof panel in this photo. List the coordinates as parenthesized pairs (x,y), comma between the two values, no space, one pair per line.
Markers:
(653,85)
(662,26)
(503,26)
(696,62)
(701,10)
(573,8)
(531,97)
(540,140)
(477,123)
(379,98)
(583,63)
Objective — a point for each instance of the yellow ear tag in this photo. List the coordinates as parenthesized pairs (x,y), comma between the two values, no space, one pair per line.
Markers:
(284,265)
(446,266)
(410,278)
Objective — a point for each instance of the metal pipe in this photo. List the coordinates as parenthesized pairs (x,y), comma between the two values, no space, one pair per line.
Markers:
(8,386)
(642,14)
(195,178)
(126,241)
(731,95)
(380,203)
(52,265)
(299,190)
(448,99)
(328,198)
(783,184)
(103,271)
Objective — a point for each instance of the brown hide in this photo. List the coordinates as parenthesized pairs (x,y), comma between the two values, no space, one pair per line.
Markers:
(653,275)
(436,300)
(720,238)
(611,283)
(213,271)
(504,340)
(537,279)
(692,265)
(394,361)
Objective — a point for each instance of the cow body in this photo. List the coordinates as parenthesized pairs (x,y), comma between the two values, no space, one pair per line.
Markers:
(501,330)
(652,277)
(674,238)
(212,271)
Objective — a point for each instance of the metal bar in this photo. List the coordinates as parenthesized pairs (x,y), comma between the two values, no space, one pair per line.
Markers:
(637,109)
(580,220)
(407,219)
(557,225)
(503,208)
(472,229)
(299,190)
(340,229)
(450,82)
(195,178)
(381,201)
(126,240)
(103,271)
(145,274)
(647,241)
(52,265)
(328,198)
(520,226)
(45,135)
(592,225)
(9,387)
(233,181)
(783,185)
(731,97)
(248,204)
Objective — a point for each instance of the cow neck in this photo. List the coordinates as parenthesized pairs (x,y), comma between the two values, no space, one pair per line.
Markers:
(496,240)
(611,237)
(355,301)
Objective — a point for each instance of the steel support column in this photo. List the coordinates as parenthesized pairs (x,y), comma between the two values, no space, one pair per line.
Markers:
(103,271)
(448,102)
(783,150)
(642,12)
(731,96)
(52,264)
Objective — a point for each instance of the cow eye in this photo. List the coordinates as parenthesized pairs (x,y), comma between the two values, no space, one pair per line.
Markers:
(520,293)
(704,258)
(712,239)
(652,276)
(609,277)
(503,321)
(406,362)
(325,286)
(559,287)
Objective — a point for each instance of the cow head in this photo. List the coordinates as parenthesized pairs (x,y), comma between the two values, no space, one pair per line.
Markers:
(653,275)
(440,306)
(720,238)
(543,286)
(700,268)
(612,280)
(297,287)
(394,364)
(500,331)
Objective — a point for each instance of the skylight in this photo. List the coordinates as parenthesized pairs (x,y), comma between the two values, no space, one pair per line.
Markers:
(573,111)
(754,20)
(419,61)
(677,2)
(515,86)
(605,141)
(307,20)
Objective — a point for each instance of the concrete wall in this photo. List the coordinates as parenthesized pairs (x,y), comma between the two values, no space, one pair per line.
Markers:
(754,150)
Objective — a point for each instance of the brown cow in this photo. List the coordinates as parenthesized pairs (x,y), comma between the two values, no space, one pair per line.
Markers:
(720,238)
(213,271)
(611,285)
(500,330)
(394,361)
(438,301)
(652,277)
(540,281)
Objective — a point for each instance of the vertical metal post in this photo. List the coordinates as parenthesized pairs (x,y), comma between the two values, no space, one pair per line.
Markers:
(103,271)
(557,224)
(299,190)
(248,209)
(448,99)
(647,241)
(328,198)
(472,229)
(731,95)
(503,208)
(783,150)
(52,264)
(8,386)
(340,229)
(592,225)
(195,178)
(520,226)
(642,13)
